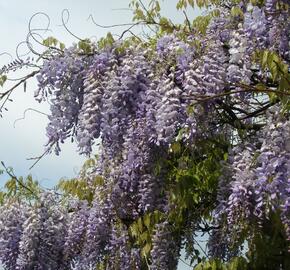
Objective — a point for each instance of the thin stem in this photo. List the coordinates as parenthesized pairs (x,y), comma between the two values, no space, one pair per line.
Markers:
(17,180)
(248,89)
(24,115)
(9,92)
(37,159)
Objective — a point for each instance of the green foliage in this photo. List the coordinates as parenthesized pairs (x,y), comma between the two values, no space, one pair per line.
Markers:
(142,230)
(3,79)
(193,175)
(52,41)
(106,41)
(201,23)
(183,4)
(166,25)
(19,189)
(236,11)
(278,69)
(151,16)
(268,247)
(85,46)
(79,186)
(142,13)
(237,263)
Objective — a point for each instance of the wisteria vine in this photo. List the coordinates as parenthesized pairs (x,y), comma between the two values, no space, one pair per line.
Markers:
(150,104)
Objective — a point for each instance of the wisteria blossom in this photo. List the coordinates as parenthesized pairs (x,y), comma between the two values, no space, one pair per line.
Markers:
(147,104)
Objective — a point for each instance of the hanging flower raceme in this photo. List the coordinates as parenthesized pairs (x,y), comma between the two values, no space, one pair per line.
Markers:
(43,236)
(259,185)
(12,218)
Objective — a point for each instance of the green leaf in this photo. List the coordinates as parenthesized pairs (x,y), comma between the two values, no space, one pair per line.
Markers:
(50,41)
(146,250)
(165,25)
(181,133)
(140,224)
(61,46)
(147,221)
(237,11)
(139,15)
(237,263)
(175,147)
(265,58)
(181,4)
(134,230)
(107,41)
(85,46)
(3,79)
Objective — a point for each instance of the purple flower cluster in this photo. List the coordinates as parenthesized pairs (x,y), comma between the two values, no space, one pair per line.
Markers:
(165,251)
(258,185)
(279,27)
(33,236)
(12,217)
(76,230)
(42,240)
(90,115)
(61,82)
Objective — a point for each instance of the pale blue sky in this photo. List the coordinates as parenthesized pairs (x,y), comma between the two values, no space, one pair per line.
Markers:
(27,138)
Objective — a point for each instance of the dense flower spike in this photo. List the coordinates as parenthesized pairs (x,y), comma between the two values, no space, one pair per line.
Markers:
(151,106)
(165,248)
(91,113)
(259,185)
(42,241)
(76,231)
(97,233)
(62,80)
(12,217)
